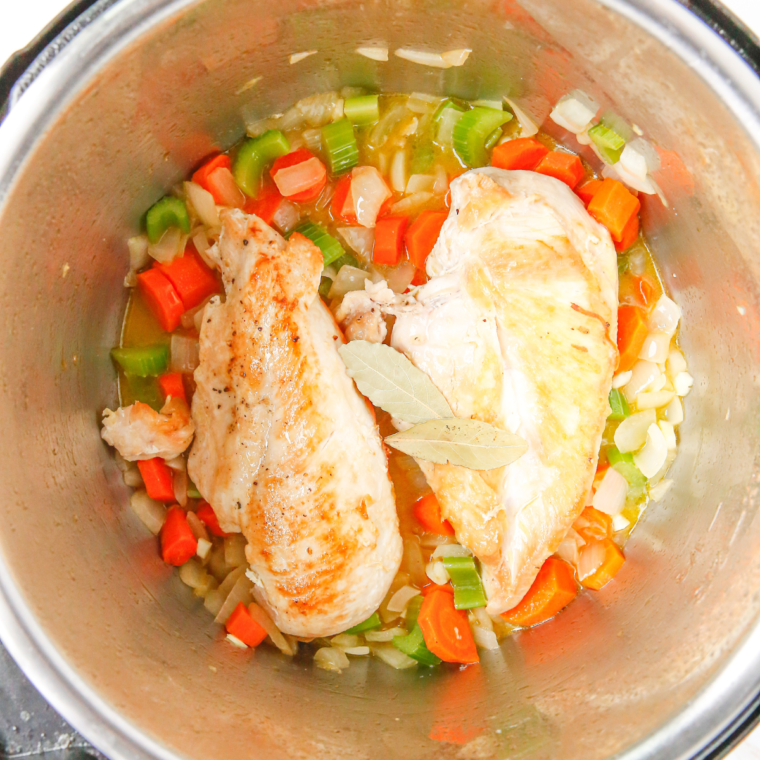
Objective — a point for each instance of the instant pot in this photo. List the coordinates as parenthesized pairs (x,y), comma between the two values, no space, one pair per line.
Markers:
(125,100)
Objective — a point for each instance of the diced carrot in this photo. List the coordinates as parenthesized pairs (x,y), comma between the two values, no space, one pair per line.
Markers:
(427,511)
(521,153)
(420,277)
(171,384)
(613,205)
(422,236)
(178,544)
(428,587)
(243,627)
(208,517)
(161,298)
(389,239)
(566,167)
(613,561)
(588,190)
(200,177)
(221,184)
(192,279)
(629,235)
(592,524)
(446,629)
(342,207)
(644,288)
(158,479)
(552,590)
(632,331)
(266,205)
(299,184)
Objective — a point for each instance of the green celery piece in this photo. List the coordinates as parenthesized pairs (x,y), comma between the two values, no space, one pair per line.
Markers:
(143,361)
(493,138)
(324,287)
(346,260)
(192,490)
(608,142)
(624,464)
(413,610)
(143,389)
(473,130)
(253,157)
(339,141)
(331,249)
(619,406)
(413,645)
(168,212)
(362,110)
(441,108)
(468,589)
(423,157)
(372,622)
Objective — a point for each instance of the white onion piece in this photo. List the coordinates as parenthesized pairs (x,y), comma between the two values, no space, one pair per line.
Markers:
(665,315)
(193,574)
(437,573)
(673,412)
(400,277)
(420,183)
(435,60)
(374,53)
(451,550)
(400,600)
(494,105)
(448,121)
(286,217)
(369,191)
(392,656)
(386,635)
(240,592)
(483,638)
(659,384)
(344,640)
(171,245)
(179,483)
(235,641)
(188,318)
(652,457)
(201,243)
(643,375)
(410,204)
(234,550)
(203,203)
(266,622)
(528,126)
(178,463)
(456,57)
(151,513)
(331,658)
(398,171)
(185,354)
(198,318)
(204,547)
(657,493)
(296,57)
(634,162)
(647,151)
(197,527)
(656,347)
(226,188)
(319,109)
(676,362)
(610,496)
(682,382)
(432,540)
(132,478)
(653,399)
(570,547)
(620,523)
(360,240)
(590,559)
(357,651)
(420,102)
(646,185)
(574,111)
(669,433)
(349,278)
(622,379)
(631,433)
(441,184)
(138,252)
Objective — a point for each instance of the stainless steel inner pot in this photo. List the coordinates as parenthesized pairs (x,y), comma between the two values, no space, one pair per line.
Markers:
(656,665)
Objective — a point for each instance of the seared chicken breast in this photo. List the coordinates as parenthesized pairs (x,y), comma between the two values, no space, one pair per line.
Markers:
(286,450)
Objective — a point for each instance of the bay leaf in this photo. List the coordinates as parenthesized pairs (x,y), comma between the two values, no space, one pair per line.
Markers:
(392,383)
(467,443)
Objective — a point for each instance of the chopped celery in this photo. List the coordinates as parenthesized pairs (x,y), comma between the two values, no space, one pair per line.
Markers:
(619,406)
(608,142)
(145,361)
(362,110)
(440,113)
(339,141)
(346,260)
(144,389)
(192,490)
(324,287)
(413,645)
(373,621)
(331,249)
(493,138)
(471,132)
(413,611)
(623,463)
(446,118)
(423,157)
(253,157)
(168,212)
(468,589)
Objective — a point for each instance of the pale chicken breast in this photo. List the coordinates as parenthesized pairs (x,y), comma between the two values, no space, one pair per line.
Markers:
(286,450)
(517,327)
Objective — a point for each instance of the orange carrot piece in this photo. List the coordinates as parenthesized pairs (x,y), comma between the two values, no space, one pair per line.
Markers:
(446,629)
(632,331)
(318,177)
(342,207)
(243,627)
(171,384)
(422,236)
(427,511)
(161,298)
(629,235)
(521,153)
(430,587)
(566,167)
(592,524)
(389,239)
(265,205)
(200,177)
(613,205)
(552,590)
(208,517)
(178,544)
(158,479)
(192,279)
(613,561)
(588,190)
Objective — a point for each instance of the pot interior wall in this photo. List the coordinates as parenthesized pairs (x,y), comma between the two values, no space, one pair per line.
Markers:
(616,664)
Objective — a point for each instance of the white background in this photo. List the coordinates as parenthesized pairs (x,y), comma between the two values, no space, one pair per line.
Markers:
(19,24)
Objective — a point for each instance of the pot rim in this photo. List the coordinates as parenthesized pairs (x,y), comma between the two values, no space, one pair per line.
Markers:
(42,79)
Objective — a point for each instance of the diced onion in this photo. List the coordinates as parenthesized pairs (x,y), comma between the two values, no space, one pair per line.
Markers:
(528,126)
(286,217)
(313,139)
(185,354)
(300,177)
(234,550)
(260,616)
(451,550)
(420,183)
(317,110)
(178,463)
(203,203)
(652,457)
(331,658)
(171,245)
(357,651)
(138,252)
(622,379)
(193,574)
(240,592)
(656,347)
(296,57)
(669,433)
(436,60)
(673,412)
(374,53)
(590,558)
(398,171)
(410,204)
(204,547)
(236,641)
(179,481)
(257,128)
(610,496)
(437,573)
(620,523)
(202,245)
(448,121)
(682,382)
(132,478)
(369,192)
(225,188)
(360,240)
(344,640)
(482,618)
(665,315)
(653,399)
(631,433)
(349,278)
(570,547)
(392,656)
(483,638)
(495,105)
(657,493)
(441,184)
(188,318)
(197,526)
(400,277)
(152,513)
(420,102)
(643,376)
(399,601)
(646,185)
(640,150)
(574,111)
(382,130)
(386,635)
(456,57)
(676,362)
